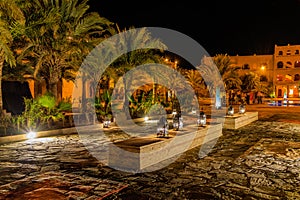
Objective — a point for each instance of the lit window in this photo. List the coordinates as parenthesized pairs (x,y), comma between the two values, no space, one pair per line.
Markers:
(297,64)
(288,77)
(279,77)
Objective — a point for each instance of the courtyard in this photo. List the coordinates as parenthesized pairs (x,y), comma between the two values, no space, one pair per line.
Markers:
(257,161)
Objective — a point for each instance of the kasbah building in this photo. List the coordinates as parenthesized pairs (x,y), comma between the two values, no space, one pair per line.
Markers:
(282,69)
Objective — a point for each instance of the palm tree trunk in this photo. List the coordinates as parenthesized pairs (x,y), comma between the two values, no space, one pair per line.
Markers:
(1,99)
(83,100)
(153,93)
(53,84)
(53,89)
(126,100)
(59,90)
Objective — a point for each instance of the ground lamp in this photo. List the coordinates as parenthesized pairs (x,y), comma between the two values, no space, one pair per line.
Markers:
(285,101)
(162,127)
(242,108)
(193,111)
(177,122)
(31,135)
(106,122)
(174,112)
(146,118)
(201,119)
(230,110)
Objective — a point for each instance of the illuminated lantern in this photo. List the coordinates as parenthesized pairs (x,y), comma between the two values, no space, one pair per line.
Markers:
(106,122)
(230,110)
(202,119)
(162,127)
(242,108)
(177,122)
(193,111)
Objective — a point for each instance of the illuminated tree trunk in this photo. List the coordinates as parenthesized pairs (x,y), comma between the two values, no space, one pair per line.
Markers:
(1,99)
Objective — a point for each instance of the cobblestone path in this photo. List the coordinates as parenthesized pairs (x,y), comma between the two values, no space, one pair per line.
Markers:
(258,161)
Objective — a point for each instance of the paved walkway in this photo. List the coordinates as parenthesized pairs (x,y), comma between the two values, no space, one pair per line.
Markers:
(258,161)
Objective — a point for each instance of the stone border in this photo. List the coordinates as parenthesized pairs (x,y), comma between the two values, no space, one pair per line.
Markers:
(146,153)
(239,120)
(22,137)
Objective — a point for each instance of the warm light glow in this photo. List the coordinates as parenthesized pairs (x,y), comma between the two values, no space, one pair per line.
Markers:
(31,135)
(69,38)
(291,92)
(288,77)
(262,67)
(201,120)
(230,111)
(166,59)
(242,109)
(146,118)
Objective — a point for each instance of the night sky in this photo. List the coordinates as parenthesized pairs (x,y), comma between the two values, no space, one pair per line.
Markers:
(232,27)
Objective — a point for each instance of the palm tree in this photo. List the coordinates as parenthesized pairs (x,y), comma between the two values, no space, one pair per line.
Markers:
(228,71)
(134,44)
(195,79)
(224,75)
(112,58)
(10,18)
(60,35)
(250,81)
(210,74)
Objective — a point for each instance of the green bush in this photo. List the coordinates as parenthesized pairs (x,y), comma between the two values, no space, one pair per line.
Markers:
(43,109)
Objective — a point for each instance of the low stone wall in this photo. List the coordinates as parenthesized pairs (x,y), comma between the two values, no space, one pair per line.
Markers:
(138,154)
(238,120)
(50,133)
(21,137)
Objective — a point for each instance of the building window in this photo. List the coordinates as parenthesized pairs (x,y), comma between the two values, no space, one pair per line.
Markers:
(288,64)
(263,78)
(280,65)
(297,64)
(279,77)
(288,77)
(246,66)
(297,52)
(288,52)
(280,53)
(297,77)
(279,92)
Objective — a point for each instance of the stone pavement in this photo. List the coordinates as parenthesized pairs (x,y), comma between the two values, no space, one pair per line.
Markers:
(258,161)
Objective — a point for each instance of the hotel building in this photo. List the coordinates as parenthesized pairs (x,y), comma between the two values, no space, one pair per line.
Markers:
(282,69)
